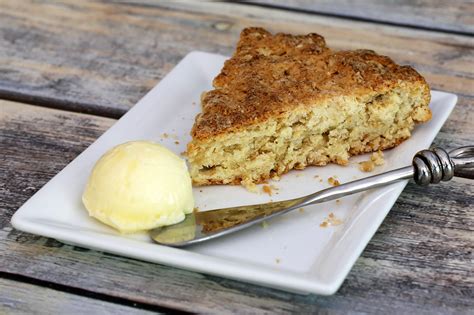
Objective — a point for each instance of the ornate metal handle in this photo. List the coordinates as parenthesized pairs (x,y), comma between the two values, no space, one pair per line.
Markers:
(435,165)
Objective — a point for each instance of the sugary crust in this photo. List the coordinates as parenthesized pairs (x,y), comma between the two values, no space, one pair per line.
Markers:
(272,74)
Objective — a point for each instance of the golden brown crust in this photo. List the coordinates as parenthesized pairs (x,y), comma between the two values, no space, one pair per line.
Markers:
(272,74)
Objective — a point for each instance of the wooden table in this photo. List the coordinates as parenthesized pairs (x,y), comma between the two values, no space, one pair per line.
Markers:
(69,69)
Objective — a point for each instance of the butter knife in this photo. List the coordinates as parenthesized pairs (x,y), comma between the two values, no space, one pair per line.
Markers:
(428,167)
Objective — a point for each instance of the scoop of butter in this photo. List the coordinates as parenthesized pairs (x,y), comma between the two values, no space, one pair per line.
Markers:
(138,186)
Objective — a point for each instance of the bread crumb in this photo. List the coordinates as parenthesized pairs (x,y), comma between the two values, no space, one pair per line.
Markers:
(176,142)
(316,176)
(249,185)
(277,260)
(335,222)
(338,201)
(268,189)
(200,190)
(183,153)
(334,182)
(331,220)
(165,135)
(366,166)
(264,224)
(301,210)
(377,158)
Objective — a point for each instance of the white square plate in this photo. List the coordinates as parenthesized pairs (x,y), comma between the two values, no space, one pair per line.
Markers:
(292,252)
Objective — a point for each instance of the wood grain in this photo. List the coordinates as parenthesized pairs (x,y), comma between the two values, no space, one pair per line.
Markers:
(452,16)
(23,298)
(100,58)
(420,260)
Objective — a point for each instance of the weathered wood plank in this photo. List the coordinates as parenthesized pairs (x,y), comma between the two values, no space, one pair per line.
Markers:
(102,57)
(420,261)
(451,16)
(23,298)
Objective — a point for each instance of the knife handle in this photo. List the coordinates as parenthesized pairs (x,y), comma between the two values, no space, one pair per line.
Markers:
(435,165)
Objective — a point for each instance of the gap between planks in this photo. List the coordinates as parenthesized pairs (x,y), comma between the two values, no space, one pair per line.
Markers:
(85,293)
(56,103)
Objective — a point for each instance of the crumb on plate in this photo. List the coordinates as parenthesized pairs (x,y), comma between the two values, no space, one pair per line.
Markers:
(366,166)
(334,182)
(266,189)
(250,186)
(376,159)
(331,220)
(269,189)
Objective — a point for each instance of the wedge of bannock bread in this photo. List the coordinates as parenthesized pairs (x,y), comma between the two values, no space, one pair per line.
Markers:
(284,102)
